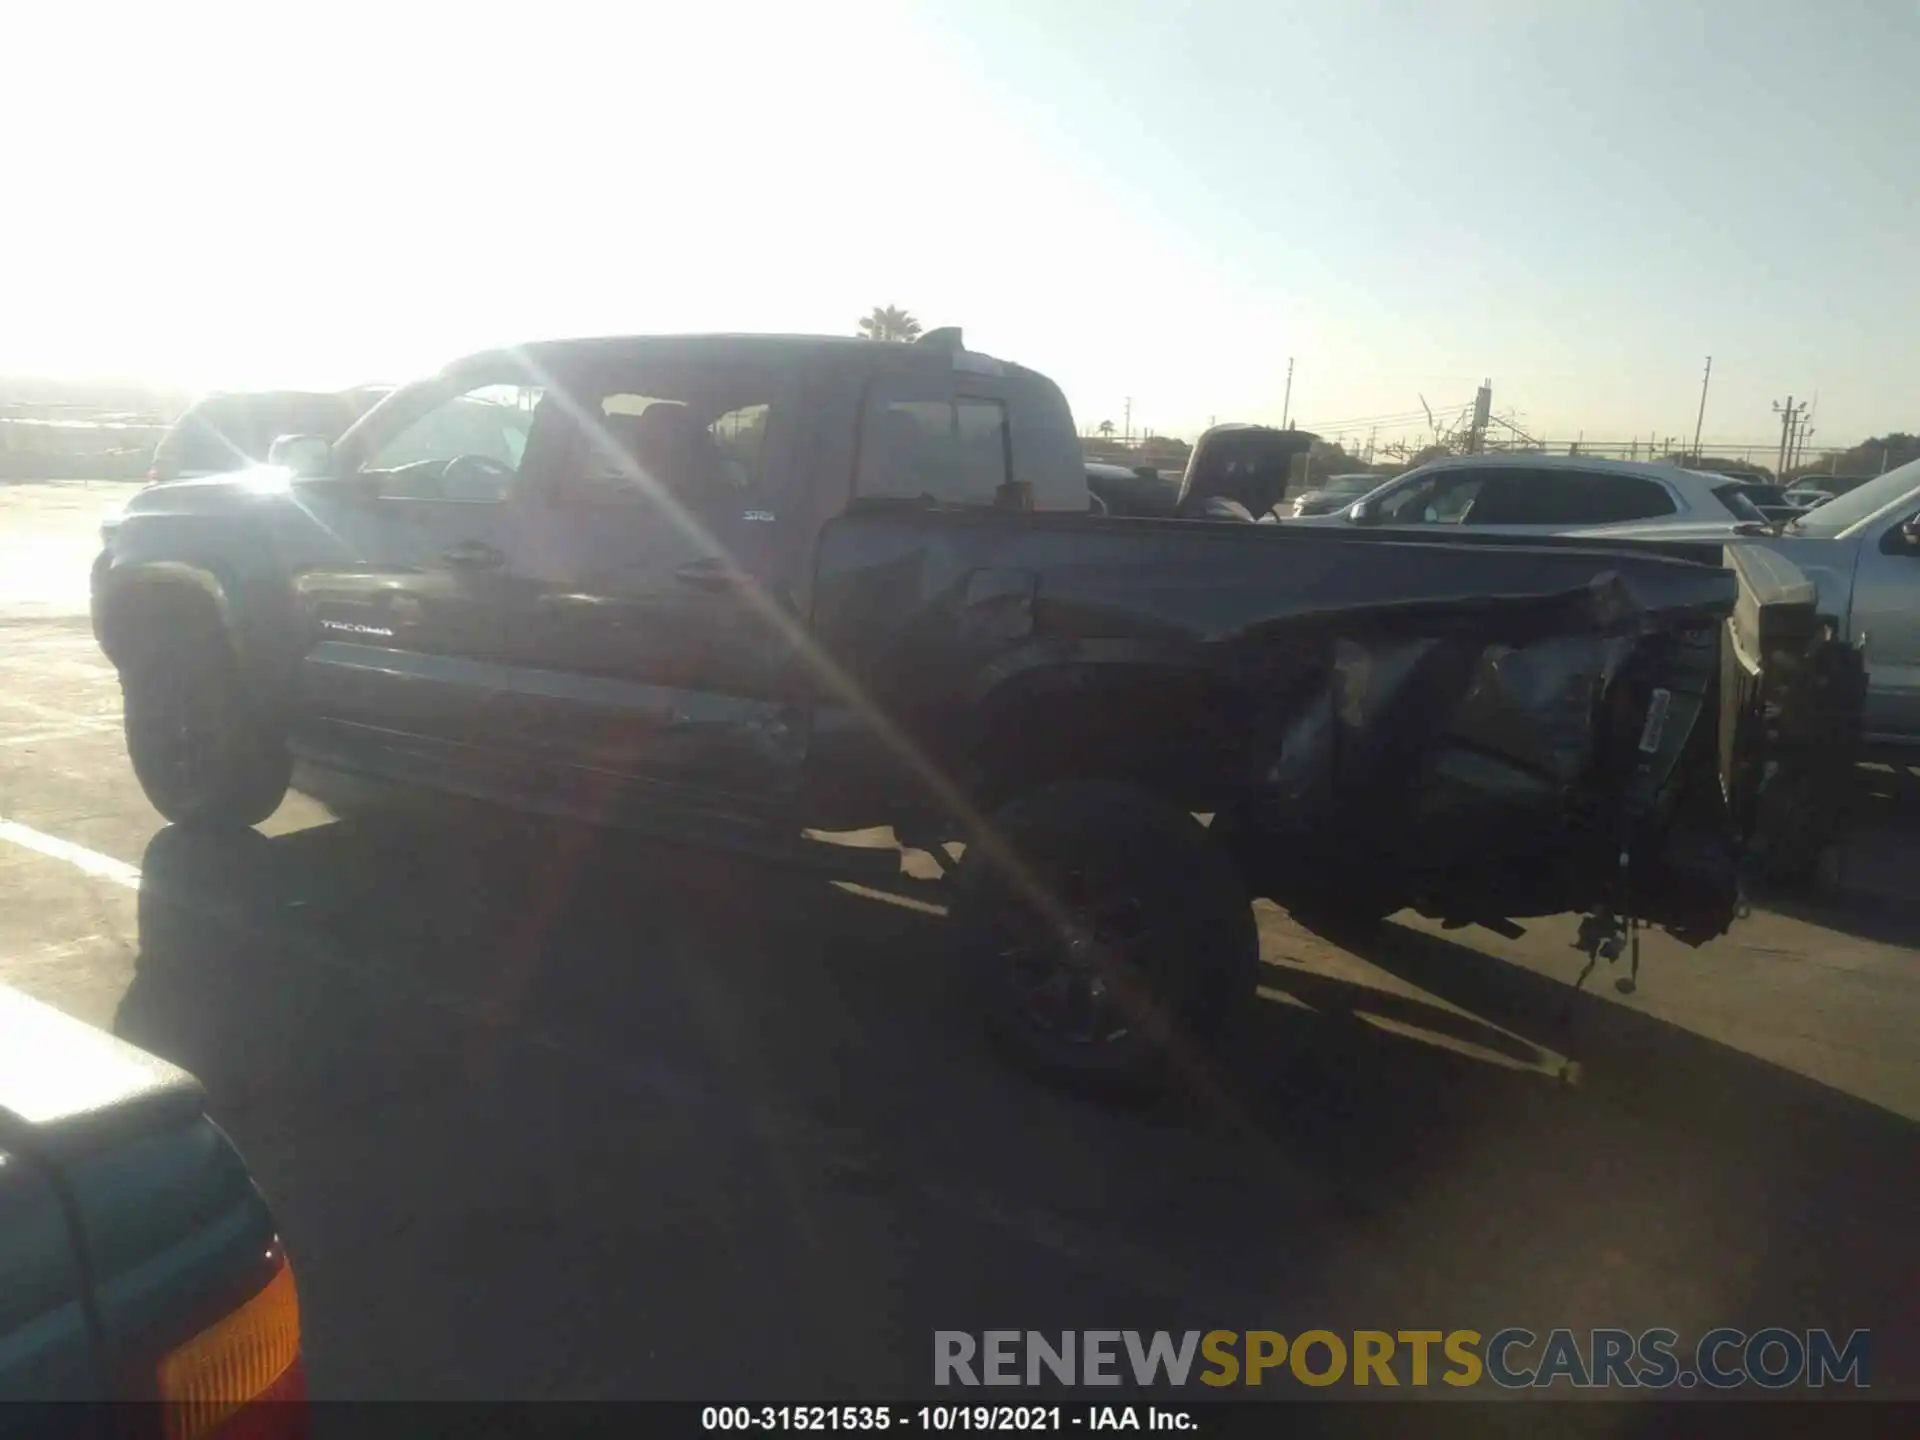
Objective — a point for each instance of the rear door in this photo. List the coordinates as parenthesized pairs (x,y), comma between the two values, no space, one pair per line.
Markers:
(407,616)
(656,623)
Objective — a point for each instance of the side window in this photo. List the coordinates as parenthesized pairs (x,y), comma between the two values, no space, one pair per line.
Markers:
(1570,497)
(1444,499)
(648,448)
(953,451)
(467,448)
(741,438)
(1531,497)
(1628,497)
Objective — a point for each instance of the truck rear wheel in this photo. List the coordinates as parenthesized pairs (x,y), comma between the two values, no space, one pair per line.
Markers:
(200,749)
(1110,939)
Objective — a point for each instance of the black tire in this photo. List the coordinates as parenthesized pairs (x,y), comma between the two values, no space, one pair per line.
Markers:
(1144,933)
(202,752)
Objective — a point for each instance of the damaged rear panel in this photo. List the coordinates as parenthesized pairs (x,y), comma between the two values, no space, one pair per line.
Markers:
(1480,728)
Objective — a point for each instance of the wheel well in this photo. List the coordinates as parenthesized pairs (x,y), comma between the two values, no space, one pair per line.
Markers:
(1183,734)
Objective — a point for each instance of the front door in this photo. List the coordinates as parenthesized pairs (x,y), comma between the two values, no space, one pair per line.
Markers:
(1886,624)
(406,613)
(653,633)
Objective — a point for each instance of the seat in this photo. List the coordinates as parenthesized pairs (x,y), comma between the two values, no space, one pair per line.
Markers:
(676,452)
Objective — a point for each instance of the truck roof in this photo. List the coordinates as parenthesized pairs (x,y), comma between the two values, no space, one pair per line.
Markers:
(769,349)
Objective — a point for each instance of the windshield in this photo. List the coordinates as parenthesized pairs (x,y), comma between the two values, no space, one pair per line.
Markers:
(1843,512)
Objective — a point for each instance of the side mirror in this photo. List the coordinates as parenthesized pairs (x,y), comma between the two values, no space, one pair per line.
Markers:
(1363,512)
(306,456)
(1909,533)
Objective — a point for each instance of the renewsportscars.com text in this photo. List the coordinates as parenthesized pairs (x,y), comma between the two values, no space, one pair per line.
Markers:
(1514,1358)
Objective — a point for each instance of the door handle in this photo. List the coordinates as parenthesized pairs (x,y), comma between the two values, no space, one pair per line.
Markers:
(708,574)
(473,555)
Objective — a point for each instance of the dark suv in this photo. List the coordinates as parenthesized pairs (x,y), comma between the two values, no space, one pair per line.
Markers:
(231,432)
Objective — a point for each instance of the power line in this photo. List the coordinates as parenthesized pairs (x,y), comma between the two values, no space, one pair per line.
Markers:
(1397,417)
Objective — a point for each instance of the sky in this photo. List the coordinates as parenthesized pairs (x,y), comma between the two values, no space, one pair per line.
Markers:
(1578,201)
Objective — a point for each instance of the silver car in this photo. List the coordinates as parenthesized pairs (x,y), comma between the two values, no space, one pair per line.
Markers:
(1861,550)
(1547,495)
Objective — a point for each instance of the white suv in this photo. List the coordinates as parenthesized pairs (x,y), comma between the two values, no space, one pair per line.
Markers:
(1550,495)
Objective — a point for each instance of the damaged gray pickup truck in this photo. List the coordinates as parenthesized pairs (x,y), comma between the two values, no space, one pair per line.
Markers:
(726,589)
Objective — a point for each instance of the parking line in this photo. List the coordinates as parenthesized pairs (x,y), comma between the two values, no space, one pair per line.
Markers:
(91,862)
(35,737)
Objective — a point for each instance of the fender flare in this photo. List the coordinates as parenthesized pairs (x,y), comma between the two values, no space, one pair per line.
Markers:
(113,608)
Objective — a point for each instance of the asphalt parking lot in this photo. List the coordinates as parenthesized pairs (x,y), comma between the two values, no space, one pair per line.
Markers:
(553,1114)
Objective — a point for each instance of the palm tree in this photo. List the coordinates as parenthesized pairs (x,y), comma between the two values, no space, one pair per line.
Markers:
(889,323)
(1105,427)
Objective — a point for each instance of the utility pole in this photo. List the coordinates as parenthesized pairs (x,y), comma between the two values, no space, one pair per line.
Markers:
(1286,405)
(1127,431)
(1701,418)
(1789,414)
(1800,446)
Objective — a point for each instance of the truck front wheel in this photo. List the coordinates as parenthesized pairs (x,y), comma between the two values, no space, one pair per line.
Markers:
(201,751)
(1111,939)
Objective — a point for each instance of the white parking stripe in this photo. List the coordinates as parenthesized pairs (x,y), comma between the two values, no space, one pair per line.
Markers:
(73,732)
(50,712)
(92,862)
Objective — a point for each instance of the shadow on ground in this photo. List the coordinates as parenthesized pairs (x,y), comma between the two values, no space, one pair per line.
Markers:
(549,1113)
(1871,893)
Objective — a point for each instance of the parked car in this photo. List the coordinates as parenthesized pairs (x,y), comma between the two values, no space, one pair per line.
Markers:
(1336,492)
(1139,491)
(1861,553)
(1805,497)
(230,432)
(731,589)
(140,1262)
(1769,499)
(1545,495)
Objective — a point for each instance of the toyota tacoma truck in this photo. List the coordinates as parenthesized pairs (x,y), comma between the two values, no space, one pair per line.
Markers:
(730,589)
(138,1263)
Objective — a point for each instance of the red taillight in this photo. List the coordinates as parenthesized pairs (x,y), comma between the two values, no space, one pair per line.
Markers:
(241,1376)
